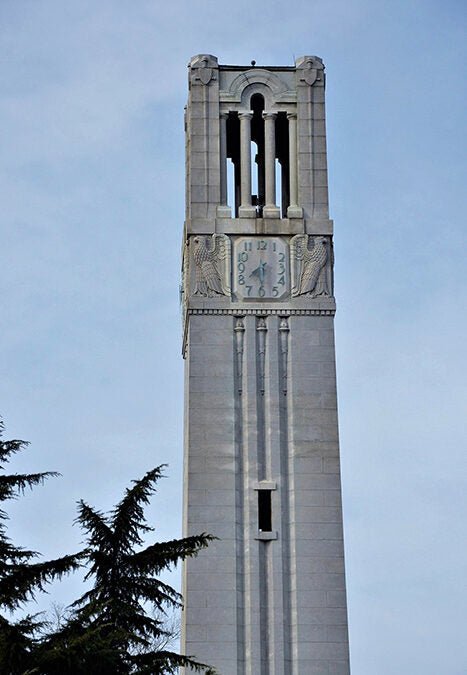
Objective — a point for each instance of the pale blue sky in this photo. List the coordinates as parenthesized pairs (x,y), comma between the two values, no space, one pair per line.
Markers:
(92,189)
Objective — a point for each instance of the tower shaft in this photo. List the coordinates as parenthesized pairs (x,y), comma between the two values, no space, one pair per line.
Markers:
(262,469)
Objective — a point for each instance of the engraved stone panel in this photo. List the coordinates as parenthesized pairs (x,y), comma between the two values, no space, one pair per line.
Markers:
(210,265)
(311,261)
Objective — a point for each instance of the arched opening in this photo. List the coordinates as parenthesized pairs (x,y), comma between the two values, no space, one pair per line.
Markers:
(257,164)
(233,166)
(282,164)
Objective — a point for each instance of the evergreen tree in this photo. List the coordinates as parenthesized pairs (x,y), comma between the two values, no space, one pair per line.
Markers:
(20,576)
(115,627)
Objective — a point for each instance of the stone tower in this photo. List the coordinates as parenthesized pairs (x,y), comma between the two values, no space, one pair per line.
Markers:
(262,466)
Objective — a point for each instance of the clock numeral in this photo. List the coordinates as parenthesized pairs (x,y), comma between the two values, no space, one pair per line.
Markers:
(274,246)
(261,245)
(247,246)
(261,292)
(281,280)
(241,279)
(242,256)
(281,256)
(281,267)
(275,291)
(249,289)
(241,267)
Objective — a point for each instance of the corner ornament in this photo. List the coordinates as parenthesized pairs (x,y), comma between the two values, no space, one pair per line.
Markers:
(202,69)
(311,262)
(310,70)
(211,257)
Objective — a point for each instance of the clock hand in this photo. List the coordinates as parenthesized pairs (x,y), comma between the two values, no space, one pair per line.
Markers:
(259,272)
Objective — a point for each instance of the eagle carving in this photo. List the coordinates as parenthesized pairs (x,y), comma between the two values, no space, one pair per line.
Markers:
(212,265)
(311,266)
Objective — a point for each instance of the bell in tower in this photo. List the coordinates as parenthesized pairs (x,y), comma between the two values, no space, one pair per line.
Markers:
(262,470)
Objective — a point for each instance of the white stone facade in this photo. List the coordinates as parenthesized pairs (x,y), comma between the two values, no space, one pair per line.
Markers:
(261,438)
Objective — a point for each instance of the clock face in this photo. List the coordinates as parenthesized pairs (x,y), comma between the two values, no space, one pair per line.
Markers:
(260,268)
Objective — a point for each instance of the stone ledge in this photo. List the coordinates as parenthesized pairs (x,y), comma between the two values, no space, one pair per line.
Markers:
(266,536)
(261,311)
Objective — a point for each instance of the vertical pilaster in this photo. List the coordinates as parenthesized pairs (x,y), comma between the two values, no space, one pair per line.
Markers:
(202,129)
(293,211)
(251,442)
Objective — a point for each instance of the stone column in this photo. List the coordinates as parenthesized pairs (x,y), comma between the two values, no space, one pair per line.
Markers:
(246,209)
(223,210)
(293,211)
(270,209)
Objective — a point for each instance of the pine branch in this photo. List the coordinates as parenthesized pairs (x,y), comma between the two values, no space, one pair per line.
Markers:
(13,485)
(20,582)
(94,524)
(163,555)
(167,662)
(128,518)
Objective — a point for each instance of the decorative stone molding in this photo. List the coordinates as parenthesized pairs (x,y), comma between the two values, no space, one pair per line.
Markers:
(265,485)
(211,265)
(203,68)
(266,536)
(284,346)
(311,262)
(261,329)
(239,340)
(184,289)
(309,70)
(261,312)
(271,82)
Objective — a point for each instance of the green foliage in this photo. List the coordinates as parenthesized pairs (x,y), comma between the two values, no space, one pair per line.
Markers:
(113,627)
(20,577)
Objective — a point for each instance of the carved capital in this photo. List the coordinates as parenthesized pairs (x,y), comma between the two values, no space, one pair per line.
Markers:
(269,115)
(245,115)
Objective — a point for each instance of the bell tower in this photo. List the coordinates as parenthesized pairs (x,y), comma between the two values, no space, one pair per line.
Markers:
(262,469)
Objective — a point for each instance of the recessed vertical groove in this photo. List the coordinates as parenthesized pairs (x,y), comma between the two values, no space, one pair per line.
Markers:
(239,340)
(284,349)
(285,492)
(250,462)
(290,506)
(239,348)
(261,330)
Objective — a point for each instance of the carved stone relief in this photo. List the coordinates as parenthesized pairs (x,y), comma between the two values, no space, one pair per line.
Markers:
(310,70)
(261,328)
(311,262)
(184,281)
(284,340)
(203,69)
(211,262)
(239,341)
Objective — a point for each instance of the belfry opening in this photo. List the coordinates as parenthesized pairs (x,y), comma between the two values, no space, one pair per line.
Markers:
(265,150)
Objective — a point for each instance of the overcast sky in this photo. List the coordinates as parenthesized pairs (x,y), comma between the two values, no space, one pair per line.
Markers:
(92,193)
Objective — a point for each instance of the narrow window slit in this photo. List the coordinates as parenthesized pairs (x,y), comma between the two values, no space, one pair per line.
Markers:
(264,511)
